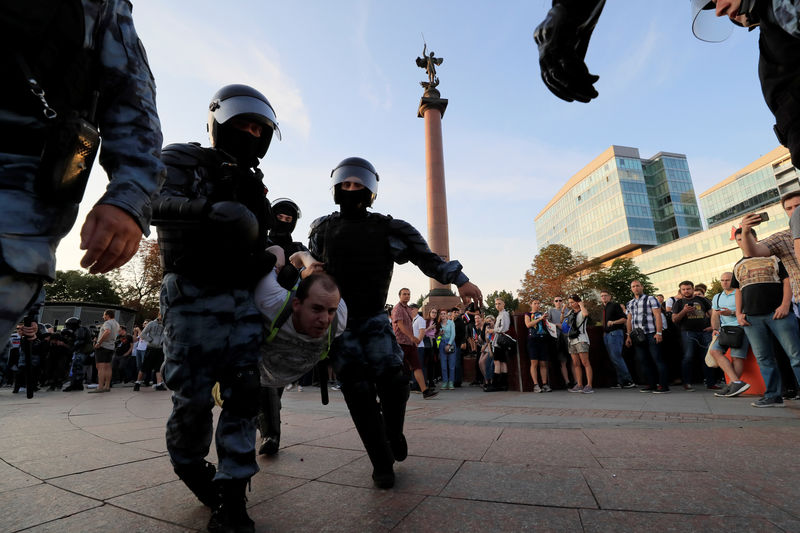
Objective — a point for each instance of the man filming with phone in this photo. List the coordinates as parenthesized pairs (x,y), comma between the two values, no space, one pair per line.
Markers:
(780,244)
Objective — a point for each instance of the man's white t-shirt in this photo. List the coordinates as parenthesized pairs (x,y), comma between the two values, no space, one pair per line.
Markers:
(417,327)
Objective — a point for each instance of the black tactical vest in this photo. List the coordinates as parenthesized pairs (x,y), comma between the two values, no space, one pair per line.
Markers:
(356,253)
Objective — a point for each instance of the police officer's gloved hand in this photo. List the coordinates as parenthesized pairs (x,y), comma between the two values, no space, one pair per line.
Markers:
(233,225)
(563,37)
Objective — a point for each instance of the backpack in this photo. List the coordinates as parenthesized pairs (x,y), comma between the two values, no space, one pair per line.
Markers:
(574,330)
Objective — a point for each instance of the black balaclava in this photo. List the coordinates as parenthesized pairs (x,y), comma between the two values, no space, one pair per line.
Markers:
(283,228)
(352,204)
(240,144)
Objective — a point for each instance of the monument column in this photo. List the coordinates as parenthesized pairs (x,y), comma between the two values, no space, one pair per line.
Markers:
(431,110)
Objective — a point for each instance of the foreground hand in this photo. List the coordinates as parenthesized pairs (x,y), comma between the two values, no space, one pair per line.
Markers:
(280,256)
(30,331)
(658,338)
(470,292)
(628,342)
(110,237)
(742,320)
(562,64)
(753,219)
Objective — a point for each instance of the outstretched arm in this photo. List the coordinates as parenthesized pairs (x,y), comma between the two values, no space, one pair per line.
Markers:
(563,37)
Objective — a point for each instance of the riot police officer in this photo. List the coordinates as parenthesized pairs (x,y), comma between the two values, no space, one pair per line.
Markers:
(212,218)
(80,339)
(71,70)
(286,213)
(359,249)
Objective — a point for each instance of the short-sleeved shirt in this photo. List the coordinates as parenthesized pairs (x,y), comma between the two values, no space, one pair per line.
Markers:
(417,327)
(697,318)
(761,282)
(112,327)
(538,330)
(123,344)
(554,317)
(641,312)
(725,301)
(781,245)
(401,313)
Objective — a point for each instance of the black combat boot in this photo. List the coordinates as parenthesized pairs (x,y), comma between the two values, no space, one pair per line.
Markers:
(360,399)
(393,391)
(230,516)
(200,480)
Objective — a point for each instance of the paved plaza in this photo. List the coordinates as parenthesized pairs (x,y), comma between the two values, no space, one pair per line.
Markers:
(617,460)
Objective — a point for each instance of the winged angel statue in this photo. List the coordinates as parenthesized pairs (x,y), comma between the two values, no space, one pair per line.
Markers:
(429,63)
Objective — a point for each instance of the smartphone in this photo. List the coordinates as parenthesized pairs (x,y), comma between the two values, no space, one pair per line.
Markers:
(763,216)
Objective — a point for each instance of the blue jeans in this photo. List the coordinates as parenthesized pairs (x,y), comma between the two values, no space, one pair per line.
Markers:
(448,361)
(459,372)
(695,343)
(613,341)
(788,335)
(139,354)
(649,354)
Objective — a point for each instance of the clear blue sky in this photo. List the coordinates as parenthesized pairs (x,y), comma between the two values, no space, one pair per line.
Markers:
(343,81)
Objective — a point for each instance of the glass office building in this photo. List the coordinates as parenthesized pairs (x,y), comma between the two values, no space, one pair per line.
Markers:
(760,183)
(620,202)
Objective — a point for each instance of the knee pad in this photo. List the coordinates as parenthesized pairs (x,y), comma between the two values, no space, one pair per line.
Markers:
(241,391)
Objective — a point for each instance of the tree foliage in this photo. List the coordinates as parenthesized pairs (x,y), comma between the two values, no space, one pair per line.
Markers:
(511,302)
(714,288)
(74,285)
(138,282)
(617,279)
(556,270)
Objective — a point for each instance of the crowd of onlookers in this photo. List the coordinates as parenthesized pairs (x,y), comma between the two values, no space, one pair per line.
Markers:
(59,359)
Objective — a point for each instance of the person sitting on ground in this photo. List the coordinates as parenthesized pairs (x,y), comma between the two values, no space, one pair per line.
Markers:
(723,314)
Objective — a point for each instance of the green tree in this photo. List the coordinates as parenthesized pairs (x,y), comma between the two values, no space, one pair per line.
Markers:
(617,279)
(422,299)
(556,270)
(511,302)
(714,288)
(74,285)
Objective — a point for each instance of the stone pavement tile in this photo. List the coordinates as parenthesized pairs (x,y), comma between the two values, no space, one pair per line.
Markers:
(775,487)
(98,456)
(457,516)
(107,483)
(171,502)
(88,420)
(30,447)
(675,492)
(157,445)
(517,483)
(614,521)
(535,446)
(107,519)
(325,507)
(458,415)
(12,478)
(324,433)
(122,429)
(307,462)
(27,424)
(451,442)
(265,486)
(30,506)
(344,440)
(148,404)
(421,475)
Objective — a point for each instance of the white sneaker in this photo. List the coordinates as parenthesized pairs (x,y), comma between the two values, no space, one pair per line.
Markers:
(299,388)
(288,387)
(91,386)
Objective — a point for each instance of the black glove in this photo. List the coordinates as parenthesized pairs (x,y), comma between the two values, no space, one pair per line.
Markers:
(563,37)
